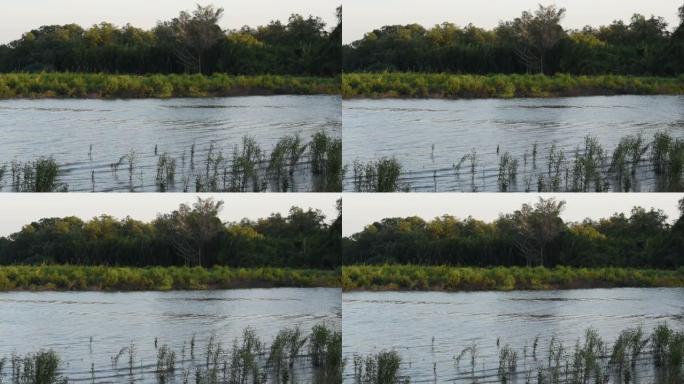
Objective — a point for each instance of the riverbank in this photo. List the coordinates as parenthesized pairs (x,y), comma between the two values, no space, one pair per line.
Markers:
(109,86)
(452,86)
(442,278)
(101,278)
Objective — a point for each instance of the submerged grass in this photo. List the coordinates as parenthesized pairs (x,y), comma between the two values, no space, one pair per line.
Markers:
(82,85)
(590,361)
(249,360)
(249,168)
(442,85)
(442,278)
(589,168)
(77,278)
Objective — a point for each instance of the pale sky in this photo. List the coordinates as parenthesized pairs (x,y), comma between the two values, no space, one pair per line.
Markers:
(19,16)
(361,209)
(18,209)
(361,16)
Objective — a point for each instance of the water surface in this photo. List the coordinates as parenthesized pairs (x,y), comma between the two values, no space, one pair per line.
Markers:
(66,322)
(428,329)
(66,130)
(429,136)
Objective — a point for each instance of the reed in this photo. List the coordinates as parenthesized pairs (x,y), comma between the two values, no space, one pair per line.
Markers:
(378,176)
(380,368)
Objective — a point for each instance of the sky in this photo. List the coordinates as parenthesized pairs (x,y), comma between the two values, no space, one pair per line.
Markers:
(19,209)
(361,16)
(361,209)
(19,16)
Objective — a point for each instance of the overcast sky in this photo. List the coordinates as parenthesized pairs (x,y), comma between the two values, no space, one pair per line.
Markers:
(361,16)
(361,209)
(20,209)
(19,16)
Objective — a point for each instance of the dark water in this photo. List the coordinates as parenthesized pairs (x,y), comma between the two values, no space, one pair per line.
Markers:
(408,130)
(66,322)
(65,129)
(408,322)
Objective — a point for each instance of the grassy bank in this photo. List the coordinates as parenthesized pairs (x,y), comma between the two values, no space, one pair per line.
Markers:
(78,85)
(413,277)
(427,85)
(76,278)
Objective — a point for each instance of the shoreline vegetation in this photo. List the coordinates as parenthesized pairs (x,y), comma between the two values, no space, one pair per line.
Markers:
(105,278)
(467,86)
(444,278)
(120,86)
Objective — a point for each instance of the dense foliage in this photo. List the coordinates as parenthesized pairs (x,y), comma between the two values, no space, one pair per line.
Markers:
(189,236)
(533,42)
(193,42)
(531,236)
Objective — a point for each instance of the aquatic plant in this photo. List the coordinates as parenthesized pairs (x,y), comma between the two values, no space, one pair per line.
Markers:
(508,172)
(378,176)
(166,172)
(380,368)
(41,175)
(166,363)
(508,363)
(37,368)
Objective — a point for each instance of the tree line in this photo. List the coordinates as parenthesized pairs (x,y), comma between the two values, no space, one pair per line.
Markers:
(193,42)
(535,42)
(534,235)
(192,235)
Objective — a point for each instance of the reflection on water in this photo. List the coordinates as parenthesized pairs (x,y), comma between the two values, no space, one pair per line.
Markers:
(66,130)
(429,136)
(87,328)
(428,329)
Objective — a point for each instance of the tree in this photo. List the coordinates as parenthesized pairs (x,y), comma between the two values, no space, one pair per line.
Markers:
(539,33)
(537,226)
(197,33)
(194,227)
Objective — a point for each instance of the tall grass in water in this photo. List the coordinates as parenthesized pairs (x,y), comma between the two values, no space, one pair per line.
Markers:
(250,168)
(36,368)
(589,168)
(378,176)
(591,360)
(380,368)
(326,162)
(40,175)
(249,360)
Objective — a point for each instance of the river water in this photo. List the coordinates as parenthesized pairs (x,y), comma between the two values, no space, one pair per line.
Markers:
(430,329)
(86,136)
(430,136)
(87,328)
